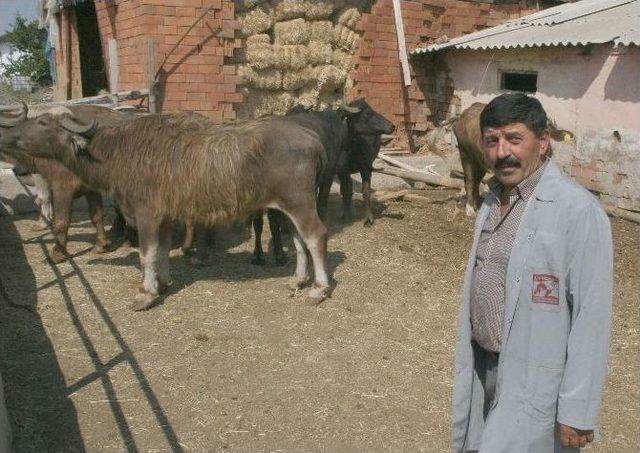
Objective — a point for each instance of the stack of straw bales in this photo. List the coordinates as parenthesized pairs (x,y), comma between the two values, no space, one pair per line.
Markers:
(297,52)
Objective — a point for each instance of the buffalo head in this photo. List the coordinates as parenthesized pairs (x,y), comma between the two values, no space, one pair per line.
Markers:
(363,120)
(46,136)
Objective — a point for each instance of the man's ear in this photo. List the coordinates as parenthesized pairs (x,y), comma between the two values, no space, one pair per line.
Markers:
(544,141)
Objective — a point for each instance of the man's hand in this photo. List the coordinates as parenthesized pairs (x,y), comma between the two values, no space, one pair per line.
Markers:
(574,438)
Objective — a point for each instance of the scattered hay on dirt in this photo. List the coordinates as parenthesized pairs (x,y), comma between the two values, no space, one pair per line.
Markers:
(349,17)
(296,31)
(257,20)
(267,79)
(321,31)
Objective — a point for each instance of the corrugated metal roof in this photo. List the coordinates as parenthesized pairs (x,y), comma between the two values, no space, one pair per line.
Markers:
(571,24)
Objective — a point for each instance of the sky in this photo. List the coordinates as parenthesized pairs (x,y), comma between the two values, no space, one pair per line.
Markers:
(9,8)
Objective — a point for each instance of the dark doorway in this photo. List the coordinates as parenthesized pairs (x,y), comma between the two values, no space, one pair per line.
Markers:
(92,67)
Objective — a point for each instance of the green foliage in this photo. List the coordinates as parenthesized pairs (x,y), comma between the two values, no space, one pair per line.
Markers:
(29,39)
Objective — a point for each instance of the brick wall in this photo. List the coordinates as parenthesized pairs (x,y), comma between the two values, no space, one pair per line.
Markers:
(195,76)
(378,77)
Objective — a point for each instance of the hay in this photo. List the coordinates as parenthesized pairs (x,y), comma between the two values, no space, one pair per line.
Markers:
(318,9)
(260,103)
(329,100)
(319,53)
(258,39)
(342,59)
(344,38)
(321,31)
(294,80)
(259,54)
(296,31)
(329,78)
(290,9)
(308,96)
(267,79)
(349,17)
(244,5)
(257,20)
(289,57)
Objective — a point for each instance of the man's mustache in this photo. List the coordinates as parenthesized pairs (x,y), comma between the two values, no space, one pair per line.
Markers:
(508,161)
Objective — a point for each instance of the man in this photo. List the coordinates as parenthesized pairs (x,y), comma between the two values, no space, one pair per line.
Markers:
(533,334)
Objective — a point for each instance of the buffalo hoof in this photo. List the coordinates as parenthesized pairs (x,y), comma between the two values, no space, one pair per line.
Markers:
(317,295)
(297,283)
(368,222)
(469,211)
(143,301)
(58,255)
(258,260)
(102,248)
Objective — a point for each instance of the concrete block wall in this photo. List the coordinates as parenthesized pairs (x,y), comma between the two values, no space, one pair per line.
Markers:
(195,76)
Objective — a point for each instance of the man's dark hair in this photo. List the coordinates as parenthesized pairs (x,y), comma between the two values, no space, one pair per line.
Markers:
(512,108)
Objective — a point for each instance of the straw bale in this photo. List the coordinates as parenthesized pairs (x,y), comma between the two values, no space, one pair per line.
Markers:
(294,80)
(258,39)
(262,102)
(289,57)
(349,17)
(257,20)
(318,9)
(260,55)
(344,37)
(329,77)
(267,79)
(342,59)
(319,53)
(290,9)
(244,5)
(307,96)
(328,100)
(296,31)
(321,31)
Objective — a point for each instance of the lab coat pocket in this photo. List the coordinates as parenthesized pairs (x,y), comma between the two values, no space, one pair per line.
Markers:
(546,385)
(545,275)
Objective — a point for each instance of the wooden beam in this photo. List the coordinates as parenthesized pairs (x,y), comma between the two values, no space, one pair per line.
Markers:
(402,45)
(422,177)
(113,70)
(151,76)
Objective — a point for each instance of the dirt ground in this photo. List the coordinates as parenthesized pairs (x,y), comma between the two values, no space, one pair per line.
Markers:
(231,360)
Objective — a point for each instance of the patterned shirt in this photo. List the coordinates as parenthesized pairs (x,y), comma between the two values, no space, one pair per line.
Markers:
(492,257)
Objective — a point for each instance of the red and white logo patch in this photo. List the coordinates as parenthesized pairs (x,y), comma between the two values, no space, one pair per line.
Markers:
(546,289)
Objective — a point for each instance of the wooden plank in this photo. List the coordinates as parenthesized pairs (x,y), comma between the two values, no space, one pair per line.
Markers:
(151,76)
(422,177)
(113,69)
(75,75)
(402,45)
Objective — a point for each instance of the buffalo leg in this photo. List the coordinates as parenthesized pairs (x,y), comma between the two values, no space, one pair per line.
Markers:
(323,196)
(258,224)
(96,214)
(62,200)
(471,186)
(150,251)
(164,274)
(203,236)
(346,191)
(276,225)
(187,243)
(301,277)
(366,196)
(314,234)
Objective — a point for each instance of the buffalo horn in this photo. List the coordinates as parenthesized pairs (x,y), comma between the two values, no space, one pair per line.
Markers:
(78,128)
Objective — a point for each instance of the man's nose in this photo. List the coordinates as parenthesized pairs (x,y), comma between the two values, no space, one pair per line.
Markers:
(504,149)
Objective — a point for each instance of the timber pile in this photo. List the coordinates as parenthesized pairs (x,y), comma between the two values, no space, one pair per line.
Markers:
(297,52)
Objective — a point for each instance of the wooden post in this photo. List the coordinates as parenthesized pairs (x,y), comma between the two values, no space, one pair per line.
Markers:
(75,73)
(402,45)
(151,73)
(113,70)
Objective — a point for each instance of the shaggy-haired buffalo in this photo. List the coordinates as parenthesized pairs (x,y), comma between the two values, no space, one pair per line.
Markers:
(159,170)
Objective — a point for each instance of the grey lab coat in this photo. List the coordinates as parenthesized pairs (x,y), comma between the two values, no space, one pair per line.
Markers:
(555,337)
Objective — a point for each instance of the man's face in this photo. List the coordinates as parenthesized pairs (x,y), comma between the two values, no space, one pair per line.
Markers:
(513,152)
